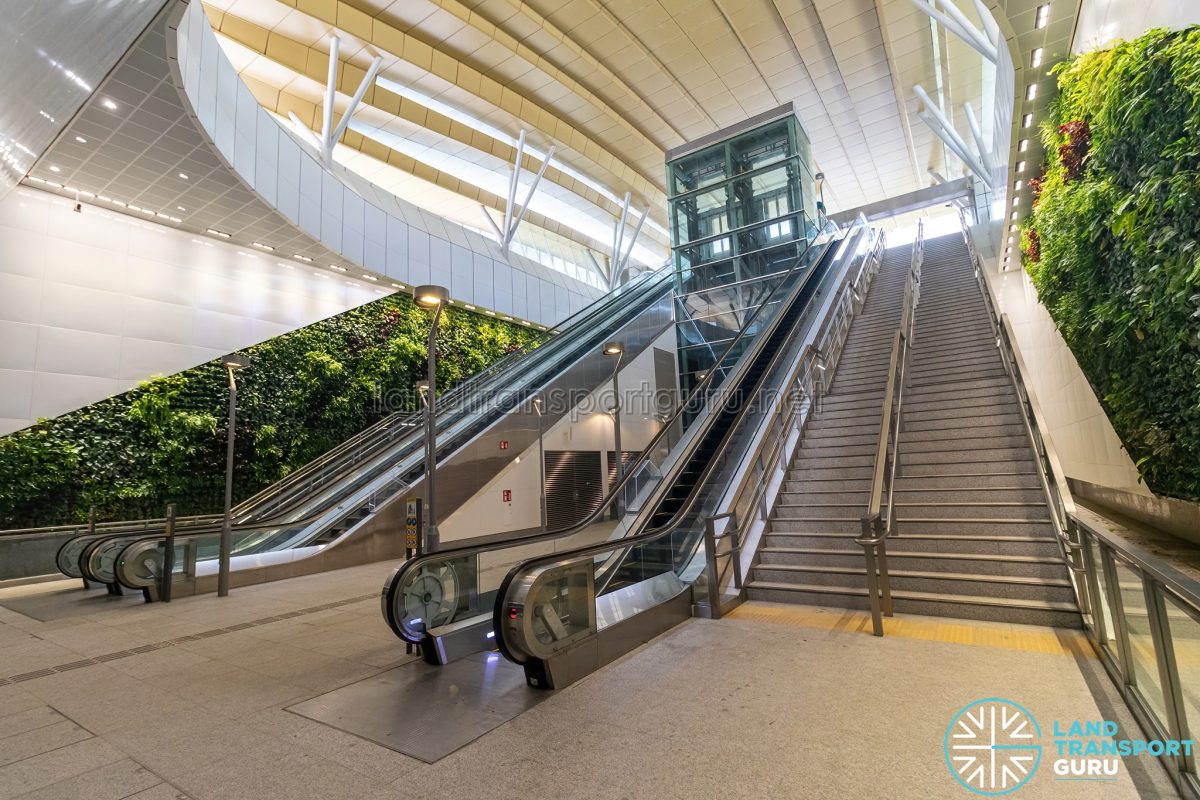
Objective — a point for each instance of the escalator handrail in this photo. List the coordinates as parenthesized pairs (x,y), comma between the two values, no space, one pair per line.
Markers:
(137,538)
(405,419)
(627,542)
(629,472)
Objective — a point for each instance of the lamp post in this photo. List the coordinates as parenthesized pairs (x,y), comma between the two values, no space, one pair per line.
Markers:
(232,363)
(618,350)
(433,298)
(537,407)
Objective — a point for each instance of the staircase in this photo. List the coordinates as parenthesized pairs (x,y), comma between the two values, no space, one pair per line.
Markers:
(974,536)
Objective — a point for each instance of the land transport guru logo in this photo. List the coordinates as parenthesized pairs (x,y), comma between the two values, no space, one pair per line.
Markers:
(992,746)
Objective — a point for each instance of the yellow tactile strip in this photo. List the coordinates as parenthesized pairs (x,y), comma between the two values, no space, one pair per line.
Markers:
(1026,638)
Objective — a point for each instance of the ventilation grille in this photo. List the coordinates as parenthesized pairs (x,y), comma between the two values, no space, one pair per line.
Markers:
(574,486)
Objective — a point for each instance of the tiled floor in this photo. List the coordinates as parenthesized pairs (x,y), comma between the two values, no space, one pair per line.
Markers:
(774,701)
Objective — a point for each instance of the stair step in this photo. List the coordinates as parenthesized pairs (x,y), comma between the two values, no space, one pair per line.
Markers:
(828,485)
(960,526)
(965,441)
(976,509)
(986,544)
(804,472)
(1055,590)
(977,388)
(998,455)
(979,563)
(906,495)
(951,431)
(960,408)
(1026,612)
(1005,475)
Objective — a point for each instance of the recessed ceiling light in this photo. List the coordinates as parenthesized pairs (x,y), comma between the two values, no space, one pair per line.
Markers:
(1020,166)
(335,266)
(216,232)
(81,140)
(53,168)
(1018,185)
(302,258)
(373,278)
(1027,121)
(183,175)
(1012,227)
(263,246)
(1035,58)
(1031,91)
(1015,214)
(1023,146)
(109,104)
(180,208)
(1043,16)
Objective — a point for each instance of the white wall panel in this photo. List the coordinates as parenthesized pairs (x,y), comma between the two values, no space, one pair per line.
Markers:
(1102,21)
(93,303)
(1087,445)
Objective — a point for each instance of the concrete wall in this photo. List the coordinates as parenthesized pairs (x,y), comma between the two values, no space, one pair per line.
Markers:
(1086,442)
(1102,21)
(93,303)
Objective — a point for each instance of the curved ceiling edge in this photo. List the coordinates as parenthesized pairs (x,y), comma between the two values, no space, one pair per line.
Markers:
(346,214)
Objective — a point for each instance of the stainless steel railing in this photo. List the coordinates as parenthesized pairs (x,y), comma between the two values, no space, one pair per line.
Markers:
(879,523)
(1050,472)
(806,384)
(1136,589)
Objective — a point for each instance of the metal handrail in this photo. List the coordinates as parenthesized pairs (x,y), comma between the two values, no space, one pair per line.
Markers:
(806,383)
(402,420)
(1050,471)
(700,390)
(518,577)
(877,525)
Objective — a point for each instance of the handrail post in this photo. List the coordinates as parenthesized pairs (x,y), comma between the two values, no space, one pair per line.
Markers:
(869,534)
(710,569)
(168,563)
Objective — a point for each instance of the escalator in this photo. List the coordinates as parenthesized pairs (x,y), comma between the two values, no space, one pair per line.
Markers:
(446,601)
(562,615)
(320,503)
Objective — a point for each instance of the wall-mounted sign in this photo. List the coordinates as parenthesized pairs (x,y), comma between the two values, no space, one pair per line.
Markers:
(506,495)
(504,444)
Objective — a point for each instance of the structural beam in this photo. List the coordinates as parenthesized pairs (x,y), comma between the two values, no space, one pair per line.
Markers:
(944,128)
(941,194)
(960,26)
(329,135)
(513,214)
(985,155)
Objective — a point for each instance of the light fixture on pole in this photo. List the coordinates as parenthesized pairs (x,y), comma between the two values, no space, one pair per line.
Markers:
(618,350)
(433,298)
(537,408)
(231,363)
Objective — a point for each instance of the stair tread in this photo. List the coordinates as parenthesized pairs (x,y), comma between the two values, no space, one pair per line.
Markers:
(1057,583)
(816,551)
(904,594)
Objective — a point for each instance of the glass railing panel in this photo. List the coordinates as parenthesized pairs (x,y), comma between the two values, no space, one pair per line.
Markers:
(1103,609)
(1143,661)
(1183,626)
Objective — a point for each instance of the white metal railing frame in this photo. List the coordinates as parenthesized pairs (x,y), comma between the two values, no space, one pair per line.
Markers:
(747,502)
(877,524)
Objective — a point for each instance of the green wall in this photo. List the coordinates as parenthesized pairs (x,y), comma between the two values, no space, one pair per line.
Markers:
(304,393)
(1112,242)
